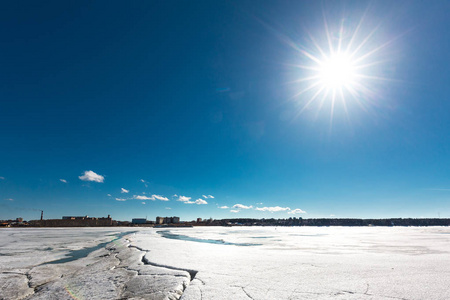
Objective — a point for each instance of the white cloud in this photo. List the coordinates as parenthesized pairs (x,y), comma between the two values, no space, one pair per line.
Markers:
(297,211)
(200,201)
(2,178)
(187,200)
(9,199)
(168,208)
(224,207)
(143,202)
(142,180)
(158,197)
(122,190)
(273,208)
(234,211)
(140,197)
(91,176)
(208,196)
(211,196)
(153,197)
(183,199)
(121,199)
(63,180)
(109,195)
(241,206)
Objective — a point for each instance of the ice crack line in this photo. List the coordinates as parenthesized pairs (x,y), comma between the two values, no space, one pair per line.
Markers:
(192,273)
(248,295)
(145,261)
(243,289)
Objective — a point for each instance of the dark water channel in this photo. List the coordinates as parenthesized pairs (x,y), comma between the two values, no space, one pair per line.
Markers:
(81,253)
(169,235)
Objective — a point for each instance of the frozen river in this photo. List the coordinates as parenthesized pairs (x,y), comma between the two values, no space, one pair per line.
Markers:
(225,263)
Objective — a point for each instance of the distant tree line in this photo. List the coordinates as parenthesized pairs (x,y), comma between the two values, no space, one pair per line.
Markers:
(332,222)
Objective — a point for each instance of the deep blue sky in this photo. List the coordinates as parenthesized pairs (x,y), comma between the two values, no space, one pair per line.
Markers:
(198,98)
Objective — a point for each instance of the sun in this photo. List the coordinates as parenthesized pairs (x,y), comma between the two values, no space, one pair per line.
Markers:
(337,71)
(338,67)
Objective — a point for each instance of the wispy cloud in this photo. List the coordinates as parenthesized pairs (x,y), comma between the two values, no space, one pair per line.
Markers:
(153,197)
(242,206)
(2,178)
(297,211)
(143,202)
(273,208)
(235,211)
(142,197)
(168,208)
(124,191)
(109,195)
(144,182)
(91,176)
(63,180)
(158,197)
(121,199)
(208,196)
(224,207)
(9,199)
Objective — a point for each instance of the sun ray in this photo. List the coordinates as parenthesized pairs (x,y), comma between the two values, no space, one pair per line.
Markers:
(330,42)
(333,99)
(366,39)
(341,34)
(344,104)
(310,56)
(355,34)
(311,100)
(313,40)
(307,89)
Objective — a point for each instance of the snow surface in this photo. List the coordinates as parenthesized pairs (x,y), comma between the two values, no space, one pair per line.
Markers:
(227,263)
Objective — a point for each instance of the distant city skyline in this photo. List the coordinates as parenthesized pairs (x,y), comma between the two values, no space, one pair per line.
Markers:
(229,109)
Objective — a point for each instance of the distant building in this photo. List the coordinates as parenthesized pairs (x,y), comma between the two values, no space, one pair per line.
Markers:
(167,220)
(139,221)
(77,218)
(76,221)
(199,220)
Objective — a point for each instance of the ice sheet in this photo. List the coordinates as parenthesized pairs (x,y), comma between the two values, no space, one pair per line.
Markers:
(240,263)
(309,262)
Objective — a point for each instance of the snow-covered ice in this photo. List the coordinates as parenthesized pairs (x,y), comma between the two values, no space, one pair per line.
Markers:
(226,263)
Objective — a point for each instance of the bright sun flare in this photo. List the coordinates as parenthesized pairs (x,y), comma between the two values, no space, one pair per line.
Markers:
(337,71)
(341,68)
